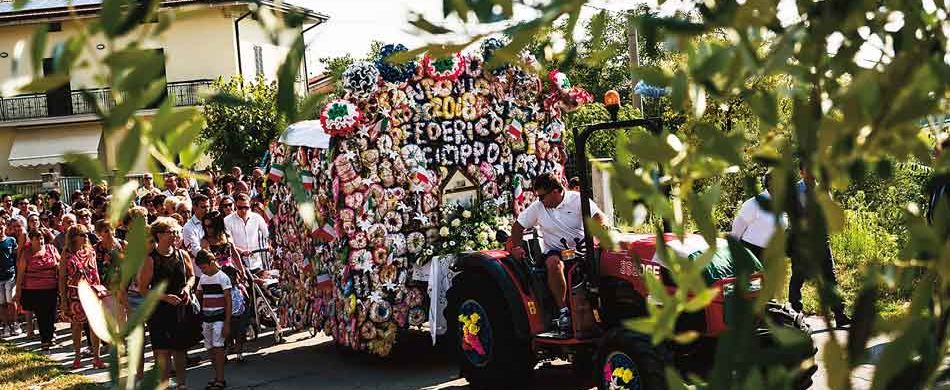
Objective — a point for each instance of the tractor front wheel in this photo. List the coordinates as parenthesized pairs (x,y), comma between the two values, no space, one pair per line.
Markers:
(490,354)
(627,360)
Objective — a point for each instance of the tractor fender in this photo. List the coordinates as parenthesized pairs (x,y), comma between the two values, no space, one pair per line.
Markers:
(490,266)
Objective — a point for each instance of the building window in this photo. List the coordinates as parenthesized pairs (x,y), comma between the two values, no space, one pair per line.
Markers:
(55,26)
(259,60)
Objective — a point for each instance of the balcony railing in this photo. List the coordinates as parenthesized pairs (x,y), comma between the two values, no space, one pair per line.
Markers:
(184,93)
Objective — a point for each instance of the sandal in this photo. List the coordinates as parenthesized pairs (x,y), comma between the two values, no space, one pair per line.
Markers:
(216,385)
(77,363)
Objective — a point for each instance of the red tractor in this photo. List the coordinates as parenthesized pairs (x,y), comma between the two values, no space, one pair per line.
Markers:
(504,309)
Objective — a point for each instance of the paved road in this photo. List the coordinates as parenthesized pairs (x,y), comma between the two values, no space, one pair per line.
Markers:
(305,362)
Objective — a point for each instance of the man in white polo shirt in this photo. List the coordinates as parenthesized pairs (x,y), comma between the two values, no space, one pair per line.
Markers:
(754,225)
(557,214)
(249,232)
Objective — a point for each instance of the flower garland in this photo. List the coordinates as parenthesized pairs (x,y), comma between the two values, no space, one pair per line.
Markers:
(340,117)
(469,228)
(444,68)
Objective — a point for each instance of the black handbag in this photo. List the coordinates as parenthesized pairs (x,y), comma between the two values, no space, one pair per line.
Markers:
(189,327)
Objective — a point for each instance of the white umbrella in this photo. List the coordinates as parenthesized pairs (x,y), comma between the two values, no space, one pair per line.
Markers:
(306,133)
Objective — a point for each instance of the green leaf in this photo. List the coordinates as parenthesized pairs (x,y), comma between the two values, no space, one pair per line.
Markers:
(134,251)
(144,312)
(701,207)
(764,105)
(19,4)
(129,150)
(680,91)
(701,300)
(47,83)
(135,344)
(673,379)
(38,47)
(423,24)
(110,16)
(229,99)
(121,199)
(287,79)
(100,321)
(601,233)
(86,166)
(834,215)
(653,75)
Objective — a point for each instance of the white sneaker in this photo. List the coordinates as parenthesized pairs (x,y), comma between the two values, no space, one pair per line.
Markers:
(16,330)
(4,331)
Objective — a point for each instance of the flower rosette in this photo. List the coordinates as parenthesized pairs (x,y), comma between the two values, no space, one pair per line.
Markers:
(444,68)
(559,80)
(415,242)
(340,117)
(361,79)
(392,72)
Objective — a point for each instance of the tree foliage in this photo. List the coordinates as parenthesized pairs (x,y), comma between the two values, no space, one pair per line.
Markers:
(238,135)
(856,81)
(166,140)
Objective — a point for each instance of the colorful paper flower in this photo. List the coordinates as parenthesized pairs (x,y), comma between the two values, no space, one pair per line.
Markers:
(444,68)
(415,242)
(340,117)
(391,72)
(559,79)
(361,79)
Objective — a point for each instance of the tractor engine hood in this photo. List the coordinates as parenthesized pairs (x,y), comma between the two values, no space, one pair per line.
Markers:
(690,247)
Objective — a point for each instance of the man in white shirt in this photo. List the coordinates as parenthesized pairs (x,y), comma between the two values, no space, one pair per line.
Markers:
(557,214)
(249,232)
(754,225)
(171,184)
(194,231)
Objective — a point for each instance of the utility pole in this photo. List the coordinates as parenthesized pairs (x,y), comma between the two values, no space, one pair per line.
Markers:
(634,54)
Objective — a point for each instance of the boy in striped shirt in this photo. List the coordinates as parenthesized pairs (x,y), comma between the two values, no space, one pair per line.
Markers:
(214,293)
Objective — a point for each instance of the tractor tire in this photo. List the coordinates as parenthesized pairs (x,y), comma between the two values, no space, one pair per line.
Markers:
(494,357)
(786,317)
(641,365)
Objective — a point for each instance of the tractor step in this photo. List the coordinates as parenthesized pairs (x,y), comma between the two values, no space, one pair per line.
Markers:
(558,338)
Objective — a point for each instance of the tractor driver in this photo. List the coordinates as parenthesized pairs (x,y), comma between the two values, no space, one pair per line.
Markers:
(557,214)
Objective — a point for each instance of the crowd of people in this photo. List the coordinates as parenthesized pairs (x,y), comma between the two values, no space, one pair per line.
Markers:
(205,241)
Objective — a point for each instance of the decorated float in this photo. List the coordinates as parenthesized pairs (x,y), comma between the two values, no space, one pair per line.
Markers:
(415,163)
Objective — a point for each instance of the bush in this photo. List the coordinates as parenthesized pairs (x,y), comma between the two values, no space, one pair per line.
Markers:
(863,243)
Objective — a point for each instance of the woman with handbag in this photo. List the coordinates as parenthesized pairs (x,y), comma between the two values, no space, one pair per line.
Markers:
(79,264)
(172,265)
(37,283)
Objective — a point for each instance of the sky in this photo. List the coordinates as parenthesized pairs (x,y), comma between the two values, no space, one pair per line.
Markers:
(354,24)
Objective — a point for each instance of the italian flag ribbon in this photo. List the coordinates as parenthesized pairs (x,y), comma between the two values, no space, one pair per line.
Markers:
(276,173)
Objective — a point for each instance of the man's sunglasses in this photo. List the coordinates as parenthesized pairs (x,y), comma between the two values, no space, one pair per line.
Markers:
(227,204)
(244,207)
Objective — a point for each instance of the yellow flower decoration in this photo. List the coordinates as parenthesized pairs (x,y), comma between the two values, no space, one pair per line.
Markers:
(627,375)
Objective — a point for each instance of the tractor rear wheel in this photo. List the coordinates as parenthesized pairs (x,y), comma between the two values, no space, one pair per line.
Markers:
(628,360)
(490,354)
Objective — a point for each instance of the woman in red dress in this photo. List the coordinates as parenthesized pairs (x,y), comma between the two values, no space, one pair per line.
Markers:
(79,264)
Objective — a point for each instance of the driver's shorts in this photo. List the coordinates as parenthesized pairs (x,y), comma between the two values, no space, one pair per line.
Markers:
(553,252)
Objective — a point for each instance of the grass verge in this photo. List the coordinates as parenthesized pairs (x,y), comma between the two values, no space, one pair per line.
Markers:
(26,370)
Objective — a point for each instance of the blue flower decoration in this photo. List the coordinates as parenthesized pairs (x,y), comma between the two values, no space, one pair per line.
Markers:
(394,73)
(488,48)
(650,91)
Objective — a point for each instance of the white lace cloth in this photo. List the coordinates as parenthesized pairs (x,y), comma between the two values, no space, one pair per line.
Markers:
(439,277)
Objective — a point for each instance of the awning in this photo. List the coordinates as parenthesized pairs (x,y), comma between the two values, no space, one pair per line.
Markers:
(33,147)
(306,133)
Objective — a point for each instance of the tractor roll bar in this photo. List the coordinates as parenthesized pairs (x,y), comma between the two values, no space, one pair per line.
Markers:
(654,125)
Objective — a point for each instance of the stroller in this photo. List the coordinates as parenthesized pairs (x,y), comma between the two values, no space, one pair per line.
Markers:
(264,294)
